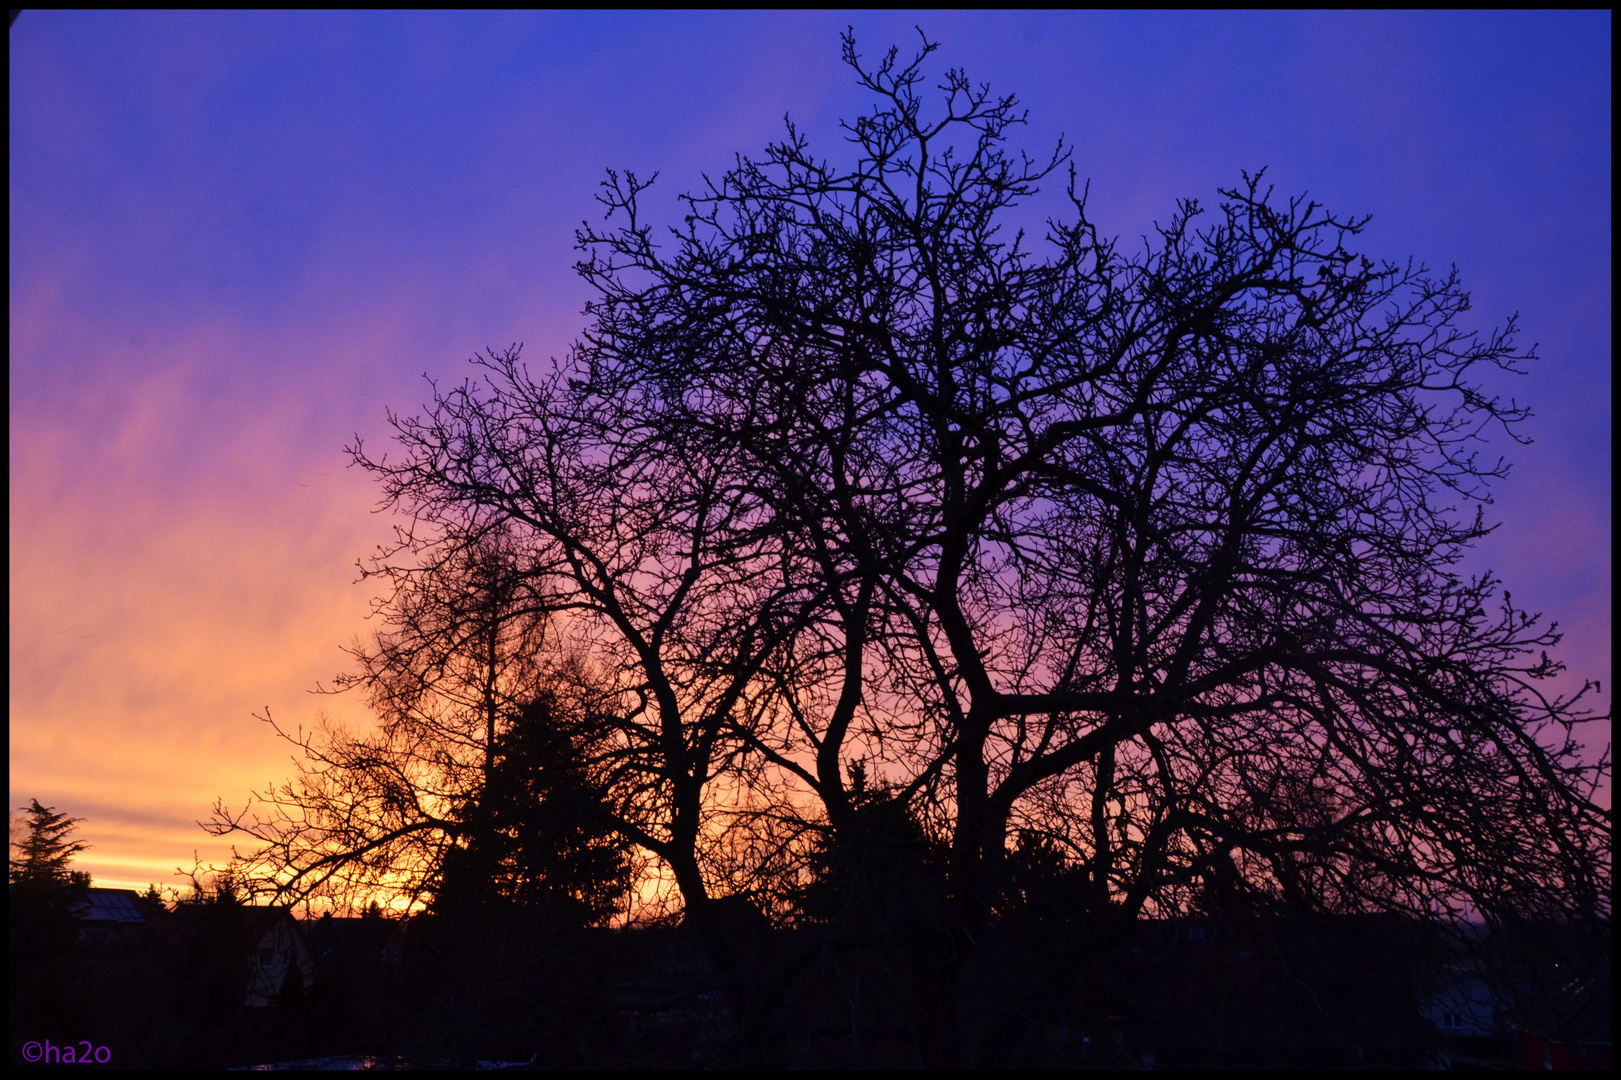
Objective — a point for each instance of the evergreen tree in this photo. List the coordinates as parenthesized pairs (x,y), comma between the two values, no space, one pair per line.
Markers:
(540,834)
(503,949)
(41,928)
(41,858)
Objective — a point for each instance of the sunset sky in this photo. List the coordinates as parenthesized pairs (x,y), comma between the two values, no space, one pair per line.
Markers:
(236,239)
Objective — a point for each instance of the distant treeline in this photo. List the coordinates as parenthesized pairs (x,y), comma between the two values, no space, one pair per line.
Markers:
(854,980)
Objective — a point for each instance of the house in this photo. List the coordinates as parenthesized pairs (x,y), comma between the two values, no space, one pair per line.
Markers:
(1565,1026)
(268,939)
(277,954)
(1538,996)
(1460,1003)
(102,916)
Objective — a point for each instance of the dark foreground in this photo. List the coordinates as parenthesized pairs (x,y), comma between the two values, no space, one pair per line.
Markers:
(230,986)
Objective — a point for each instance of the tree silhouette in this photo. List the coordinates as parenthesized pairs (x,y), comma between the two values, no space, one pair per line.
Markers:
(539,834)
(457,658)
(40,919)
(1158,550)
(1132,579)
(40,859)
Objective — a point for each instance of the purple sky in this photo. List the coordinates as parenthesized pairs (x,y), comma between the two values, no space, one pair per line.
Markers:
(237,238)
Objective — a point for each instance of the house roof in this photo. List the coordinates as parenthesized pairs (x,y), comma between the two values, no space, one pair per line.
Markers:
(108,905)
(249,923)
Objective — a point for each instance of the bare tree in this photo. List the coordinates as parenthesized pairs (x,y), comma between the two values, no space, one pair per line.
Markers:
(1140,567)
(1161,548)
(653,563)
(460,655)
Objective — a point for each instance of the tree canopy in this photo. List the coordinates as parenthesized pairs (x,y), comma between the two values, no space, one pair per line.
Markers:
(1141,565)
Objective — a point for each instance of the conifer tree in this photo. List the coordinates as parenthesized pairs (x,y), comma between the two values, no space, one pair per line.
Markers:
(41,858)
